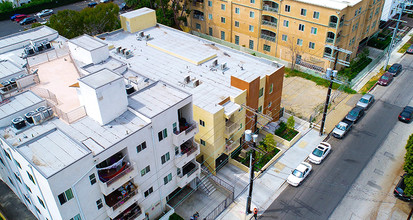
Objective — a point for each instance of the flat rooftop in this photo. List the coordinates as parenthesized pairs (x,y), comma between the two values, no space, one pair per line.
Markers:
(8,69)
(333,4)
(100,78)
(138,12)
(52,151)
(18,103)
(156,98)
(87,42)
(169,56)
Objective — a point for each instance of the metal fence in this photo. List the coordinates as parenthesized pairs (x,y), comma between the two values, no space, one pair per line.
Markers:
(59,50)
(219,209)
(45,93)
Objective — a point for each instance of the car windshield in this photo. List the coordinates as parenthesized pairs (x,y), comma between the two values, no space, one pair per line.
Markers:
(385,77)
(362,100)
(317,152)
(392,69)
(297,173)
(353,113)
(405,114)
(341,127)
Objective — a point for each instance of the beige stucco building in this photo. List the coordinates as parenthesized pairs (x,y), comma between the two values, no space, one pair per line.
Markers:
(277,27)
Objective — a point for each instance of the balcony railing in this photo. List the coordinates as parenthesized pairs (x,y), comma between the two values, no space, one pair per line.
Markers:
(187,130)
(231,145)
(124,199)
(131,214)
(269,23)
(269,8)
(329,40)
(268,37)
(199,17)
(332,24)
(126,170)
(190,172)
(230,127)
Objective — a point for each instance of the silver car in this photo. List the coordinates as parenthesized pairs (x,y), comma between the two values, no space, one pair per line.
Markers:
(342,129)
(366,101)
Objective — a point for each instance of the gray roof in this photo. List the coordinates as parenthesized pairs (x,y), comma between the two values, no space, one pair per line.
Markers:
(18,103)
(136,13)
(8,69)
(88,43)
(100,78)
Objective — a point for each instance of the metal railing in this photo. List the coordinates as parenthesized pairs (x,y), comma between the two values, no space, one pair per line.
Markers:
(219,209)
(124,199)
(332,24)
(329,40)
(269,8)
(119,175)
(268,37)
(269,23)
(230,127)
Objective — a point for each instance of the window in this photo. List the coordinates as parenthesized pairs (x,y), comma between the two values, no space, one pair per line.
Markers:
(267,48)
(210,31)
(209,3)
(77,217)
(371,15)
(165,158)
(222,35)
(311,45)
(252,1)
(18,178)
(286,22)
(357,25)
(261,93)
(355,13)
(145,170)
(11,181)
(178,171)
(284,37)
(236,40)
(251,44)
(368,29)
(299,42)
(28,189)
(316,15)
(271,88)
(92,179)
(7,154)
(377,11)
(1,160)
(27,199)
(167,179)
(301,27)
(66,196)
(373,25)
(236,10)
(162,134)
(252,14)
(313,30)
(287,8)
(197,26)
(17,163)
(202,123)
(303,12)
(222,20)
(99,203)
(148,192)
(209,17)
(30,177)
(269,104)
(141,147)
(37,210)
(222,7)
(260,109)
(236,23)
(202,142)
(41,202)
(251,28)
(359,11)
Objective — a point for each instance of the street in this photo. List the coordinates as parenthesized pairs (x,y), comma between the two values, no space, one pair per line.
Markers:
(329,182)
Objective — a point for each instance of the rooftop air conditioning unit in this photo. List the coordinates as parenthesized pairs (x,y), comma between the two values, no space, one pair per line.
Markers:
(215,63)
(45,111)
(224,66)
(123,51)
(18,123)
(195,83)
(39,47)
(28,117)
(129,89)
(37,118)
(118,49)
(46,45)
(187,79)
(29,50)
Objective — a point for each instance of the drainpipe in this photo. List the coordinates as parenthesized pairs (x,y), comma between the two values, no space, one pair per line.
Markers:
(41,192)
(278,29)
(156,167)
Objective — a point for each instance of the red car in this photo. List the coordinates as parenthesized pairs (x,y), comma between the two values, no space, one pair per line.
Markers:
(385,79)
(21,17)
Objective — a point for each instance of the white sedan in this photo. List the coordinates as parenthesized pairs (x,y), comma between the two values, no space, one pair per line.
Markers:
(44,13)
(319,153)
(299,174)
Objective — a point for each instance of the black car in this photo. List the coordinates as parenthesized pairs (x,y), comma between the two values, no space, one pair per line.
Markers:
(395,69)
(28,20)
(406,115)
(399,190)
(355,114)
(92,4)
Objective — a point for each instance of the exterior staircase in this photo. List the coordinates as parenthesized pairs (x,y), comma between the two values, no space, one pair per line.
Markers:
(205,183)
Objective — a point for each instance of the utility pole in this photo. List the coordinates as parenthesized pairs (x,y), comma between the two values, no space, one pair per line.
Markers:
(252,161)
(394,35)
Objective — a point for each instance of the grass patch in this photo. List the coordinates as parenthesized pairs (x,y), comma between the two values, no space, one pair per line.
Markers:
(404,47)
(319,81)
(372,81)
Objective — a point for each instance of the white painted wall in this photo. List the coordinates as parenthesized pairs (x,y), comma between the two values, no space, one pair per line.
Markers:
(86,56)
(389,10)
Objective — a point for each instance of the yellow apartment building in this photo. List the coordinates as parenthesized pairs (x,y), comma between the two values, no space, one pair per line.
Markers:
(288,28)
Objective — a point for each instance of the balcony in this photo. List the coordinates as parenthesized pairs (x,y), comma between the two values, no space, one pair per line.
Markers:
(269,23)
(269,8)
(189,172)
(329,40)
(268,37)
(121,199)
(186,131)
(332,24)
(199,17)
(125,173)
(231,145)
(231,127)
(131,213)
(188,151)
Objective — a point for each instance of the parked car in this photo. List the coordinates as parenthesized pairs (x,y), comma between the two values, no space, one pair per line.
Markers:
(385,79)
(12,18)
(21,17)
(319,153)
(123,7)
(355,114)
(105,1)
(92,4)
(28,20)
(299,174)
(395,69)
(342,128)
(410,49)
(366,101)
(44,13)
(406,115)
(399,190)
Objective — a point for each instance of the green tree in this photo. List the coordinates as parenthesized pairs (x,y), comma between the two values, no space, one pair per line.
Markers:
(408,166)
(290,122)
(67,22)
(6,6)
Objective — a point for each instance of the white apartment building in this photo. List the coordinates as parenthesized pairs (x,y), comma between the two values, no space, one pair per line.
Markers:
(122,160)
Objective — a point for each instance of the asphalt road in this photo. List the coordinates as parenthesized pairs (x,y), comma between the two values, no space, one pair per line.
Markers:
(9,27)
(329,182)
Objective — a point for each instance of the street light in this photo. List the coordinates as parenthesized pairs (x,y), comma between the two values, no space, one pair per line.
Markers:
(330,74)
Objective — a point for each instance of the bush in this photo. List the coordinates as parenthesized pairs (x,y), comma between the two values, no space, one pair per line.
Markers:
(284,132)
(378,42)
(356,65)
(408,166)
